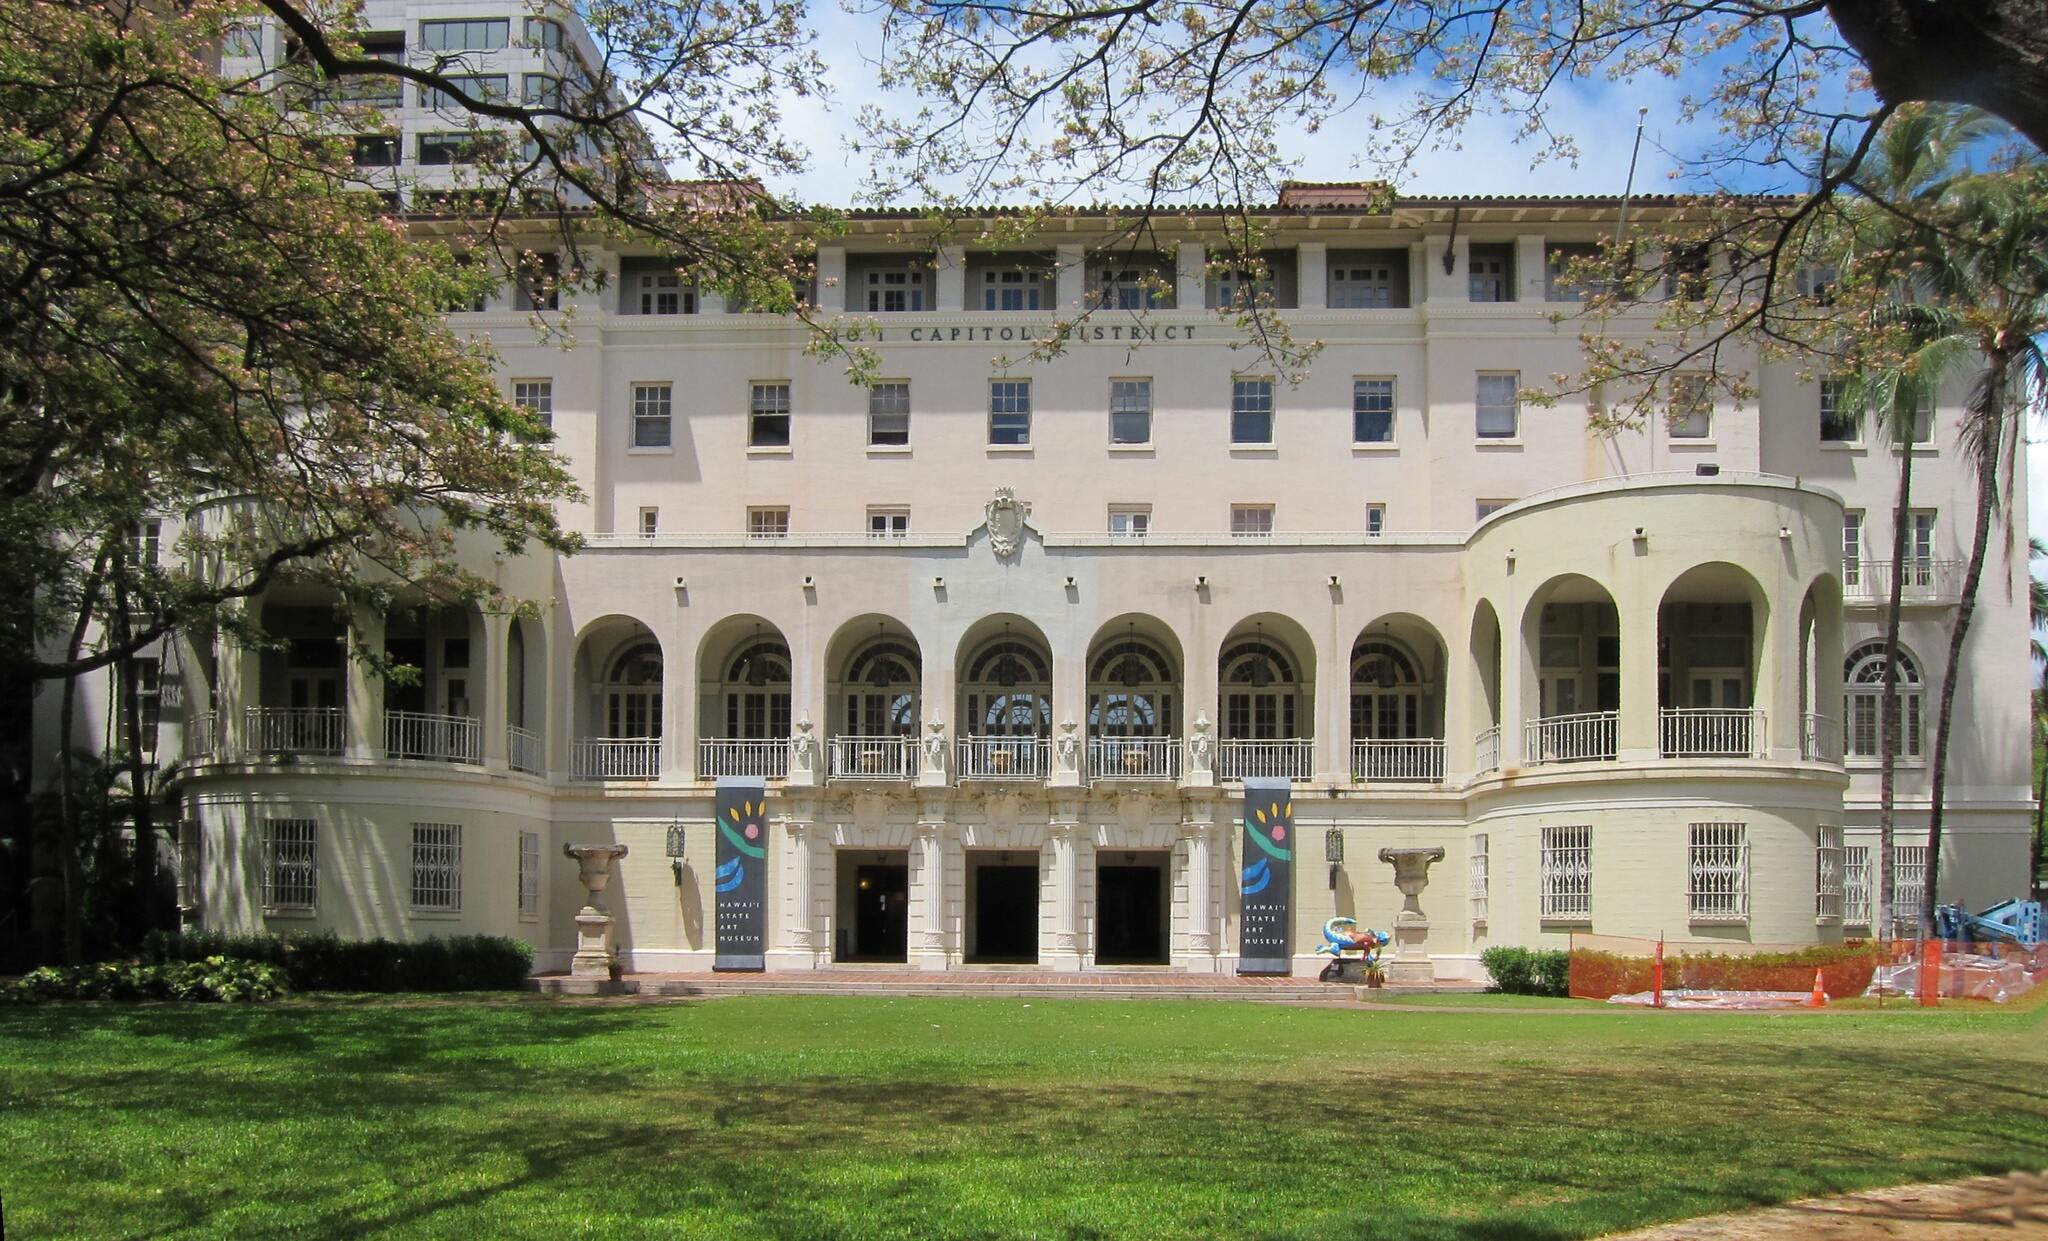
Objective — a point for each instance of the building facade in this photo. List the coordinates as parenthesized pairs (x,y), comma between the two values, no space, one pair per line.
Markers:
(1003,637)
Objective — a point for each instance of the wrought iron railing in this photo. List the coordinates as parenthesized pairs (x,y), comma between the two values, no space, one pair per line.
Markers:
(1410,759)
(1710,732)
(433,738)
(294,730)
(767,758)
(524,751)
(1134,758)
(1820,739)
(1926,580)
(1002,758)
(1486,749)
(615,758)
(874,758)
(1588,736)
(1287,758)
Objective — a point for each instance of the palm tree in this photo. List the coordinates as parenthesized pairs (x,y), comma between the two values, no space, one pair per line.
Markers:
(2037,620)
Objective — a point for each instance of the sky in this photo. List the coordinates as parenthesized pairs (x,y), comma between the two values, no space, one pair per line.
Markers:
(1487,159)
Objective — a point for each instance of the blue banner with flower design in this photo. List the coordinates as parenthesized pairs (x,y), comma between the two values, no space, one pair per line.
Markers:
(1265,937)
(740,882)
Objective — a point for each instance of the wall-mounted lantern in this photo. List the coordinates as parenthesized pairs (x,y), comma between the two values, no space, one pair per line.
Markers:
(1333,853)
(675,850)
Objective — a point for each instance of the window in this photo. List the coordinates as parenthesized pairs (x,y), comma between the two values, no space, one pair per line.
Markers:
(1909,887)
(1852,547)
(1372,411)
(895,289)
(189,854)
(149,699)
(651,409)
(1498,412)
(1692,407)
(495,87)
(537,398)
(1920,546)
(650,522)
(1236,287)
(146,541)
(1856,886)
(1863,706)
(465,36)
(243,39)
(291,869)
(1131,521)
(540,90)
(768,523)
(544,33)
(1922,426)
(889,414)
(437,867)
(768,416)
(1686,272)
(1130,411)
(888,523)
(538,278)
(660,292)
(1827,875)
(376,151)
(1251,411)
(1375,519)
(1478,880)
(1133,288)
(1836,425)
(1014,289)
(1818,283)
(1567,874)
(1559,262)
(1009,411)
(1492,276)
(529,874)
(1718,872)
(1251,521)
(1368,280)
(446,149)
(1483,509)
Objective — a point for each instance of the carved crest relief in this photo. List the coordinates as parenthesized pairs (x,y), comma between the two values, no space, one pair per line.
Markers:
(1005,516)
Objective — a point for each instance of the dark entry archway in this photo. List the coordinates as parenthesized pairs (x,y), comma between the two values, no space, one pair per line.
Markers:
(1002,909)
(1131,908)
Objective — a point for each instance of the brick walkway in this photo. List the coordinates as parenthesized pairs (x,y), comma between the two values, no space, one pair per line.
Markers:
(1982,1208)
(985,982)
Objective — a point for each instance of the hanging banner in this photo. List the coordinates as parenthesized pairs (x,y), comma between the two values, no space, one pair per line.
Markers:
(741,880)
(1265,936)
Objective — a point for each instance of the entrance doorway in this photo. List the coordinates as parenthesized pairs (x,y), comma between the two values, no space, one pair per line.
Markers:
(1002,910)
(874,906)
(1131,907)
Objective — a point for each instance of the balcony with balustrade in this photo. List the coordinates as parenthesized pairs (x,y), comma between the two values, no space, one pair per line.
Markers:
(1924,581)
(884,758)
(1002,758)
(420,736)
(1398,760)
(1710,732)
(1285,758)
(295,732)
(1581,737)
(1143,759)
(615,758)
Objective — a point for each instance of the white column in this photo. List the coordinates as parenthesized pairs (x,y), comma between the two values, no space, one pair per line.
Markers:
(1529,267)
(801,940)
(497,687)
(950,280)
(1312,275)
(1196,829)
(1191,277)
(831,266)
(1066,943)
(1454,285)
(1779,675)
(1636,731)
(239,670)
(929,953)
(363,725)
(1072,280)
(558,702)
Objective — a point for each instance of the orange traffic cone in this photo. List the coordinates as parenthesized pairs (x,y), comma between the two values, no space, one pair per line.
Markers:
(1819,998)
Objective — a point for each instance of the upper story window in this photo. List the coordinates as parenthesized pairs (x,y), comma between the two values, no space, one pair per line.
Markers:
(539,282)
(1692,407)
(768,522)
(376,151)
(1372,411)
(1130,521)
(1368,279)
(540,90)
(1863,703)
(1483,509)
(1560,260)
(1009,411)
(1837,426)
(654,289)
(495,87)
(768,416)
(1127,283)
(1014,288)
(650,522)
(445,149)
(1852,547)
(889,414)
(465,35)
(895,289)
(1237,283)
(243,39)
(1498,409)
(1130,411)
(888,523)
(544,33)
(536,397)
(1251,411)
(652,407)
(1492,275)
(1687,270)
(147,540)
(1251,521)
(1375,519)
(1817,281)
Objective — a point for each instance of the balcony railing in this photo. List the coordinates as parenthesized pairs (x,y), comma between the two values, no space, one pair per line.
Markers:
(1289,758)
(1927,580)
(615,758)
(874,758)
(1710,732)
(1134,758)
(433,738)
(1820,739)
(1486,749)
(1417,760)
(1002,758)
(524,752)
(202,734)
(767,758)
(1582,738)
(294,730)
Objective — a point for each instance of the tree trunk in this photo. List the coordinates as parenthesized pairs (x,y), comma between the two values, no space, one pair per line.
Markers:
(1989,53)
(67,803)
(1992,420)
(2040,794)
(139,791)
(1888,703)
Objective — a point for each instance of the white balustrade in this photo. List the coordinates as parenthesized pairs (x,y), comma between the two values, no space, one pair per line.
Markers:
(615,758)
(1710,732)
(523,750)
(736,756)
(294,730)
(1926,580)
(874,758)
(1134,758)
(1820,739)
(1486,750)
(1412,759)
(202,734)
(1002,758)
(1290,758)
(1588,736)
(433,738)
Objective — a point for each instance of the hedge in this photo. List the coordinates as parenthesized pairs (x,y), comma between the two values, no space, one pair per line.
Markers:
(326,962)
(213,978)
(1528,971)
(1845,969)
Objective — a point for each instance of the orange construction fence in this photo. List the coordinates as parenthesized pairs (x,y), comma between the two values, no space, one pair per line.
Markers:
(1782,975)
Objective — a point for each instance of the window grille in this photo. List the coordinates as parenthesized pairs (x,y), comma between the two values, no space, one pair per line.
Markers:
(1827,879)
(1909,887)
(1567,874)
(529,873)
(1856,886)
(1251,411)
(1372,411)
(1367,285)
(489,87)
(437,867)
(889,414)
(1479,880)
(1719,873)
(1375,519)
(895,290)
(1133,522)
(291,864)
(652,407)
(888,523)
(768,416)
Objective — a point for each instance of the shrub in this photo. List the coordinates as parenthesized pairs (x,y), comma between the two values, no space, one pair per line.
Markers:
(326,962)
(1528,971)
(213,978)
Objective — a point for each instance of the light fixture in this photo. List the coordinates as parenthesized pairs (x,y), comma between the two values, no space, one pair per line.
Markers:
(878,667)
(1333,853)
(1261,670)
(1130,671)
(1006,663)
(757,672)
(1383,675)
(675,850)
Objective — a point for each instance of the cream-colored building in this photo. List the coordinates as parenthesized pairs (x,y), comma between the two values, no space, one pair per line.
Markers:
(1003,637)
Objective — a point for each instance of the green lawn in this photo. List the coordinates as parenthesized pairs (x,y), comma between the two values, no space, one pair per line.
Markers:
(851,1117)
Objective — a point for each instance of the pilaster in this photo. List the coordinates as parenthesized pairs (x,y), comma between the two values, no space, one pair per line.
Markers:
(1071,284)
(1191,276)
(363,720)
(832,291)
(1312,273)
(949,281)
(1198,825)
(929,950)
(1065,953)
(496,687)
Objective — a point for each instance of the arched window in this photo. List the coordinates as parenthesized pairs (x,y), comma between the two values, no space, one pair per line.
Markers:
(1007,691)
(756,691)
(881,690)
(1131,690)
(1262,692)
(1863,703)
(1388,698)
(632,693)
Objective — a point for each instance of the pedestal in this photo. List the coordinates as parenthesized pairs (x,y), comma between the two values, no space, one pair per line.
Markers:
(1410,965)
(595,957)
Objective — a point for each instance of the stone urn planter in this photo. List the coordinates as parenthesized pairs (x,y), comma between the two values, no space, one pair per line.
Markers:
(594,957)
(1411,964)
